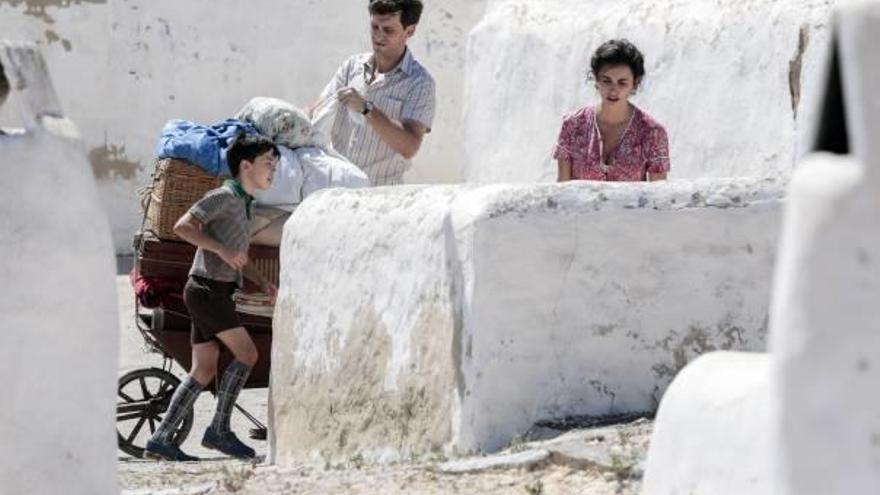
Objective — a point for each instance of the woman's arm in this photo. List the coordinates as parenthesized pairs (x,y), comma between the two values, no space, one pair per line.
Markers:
(658,151)
(564,169)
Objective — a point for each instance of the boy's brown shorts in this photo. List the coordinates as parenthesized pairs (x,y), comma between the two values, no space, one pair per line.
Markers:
(210,306)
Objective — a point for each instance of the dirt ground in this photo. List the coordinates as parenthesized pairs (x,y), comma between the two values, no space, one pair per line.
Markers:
(231,477)
(600,461)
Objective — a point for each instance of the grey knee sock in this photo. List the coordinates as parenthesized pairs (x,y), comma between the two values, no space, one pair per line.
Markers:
(181,403)
(234,377)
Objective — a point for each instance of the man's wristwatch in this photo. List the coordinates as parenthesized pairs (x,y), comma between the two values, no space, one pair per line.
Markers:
(368,107)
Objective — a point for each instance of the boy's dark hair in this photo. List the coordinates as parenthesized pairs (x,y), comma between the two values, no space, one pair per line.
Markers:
(618,52)
(410,10)
(247,147)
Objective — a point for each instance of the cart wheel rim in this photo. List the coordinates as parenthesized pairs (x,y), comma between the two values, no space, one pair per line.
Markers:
(142,398)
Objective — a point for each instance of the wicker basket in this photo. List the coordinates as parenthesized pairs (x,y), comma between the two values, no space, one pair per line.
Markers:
(176,186)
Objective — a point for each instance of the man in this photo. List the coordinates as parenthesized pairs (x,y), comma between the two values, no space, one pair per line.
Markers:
(388,94)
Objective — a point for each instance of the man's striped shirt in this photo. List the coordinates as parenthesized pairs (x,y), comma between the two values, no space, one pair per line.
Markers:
(406,92)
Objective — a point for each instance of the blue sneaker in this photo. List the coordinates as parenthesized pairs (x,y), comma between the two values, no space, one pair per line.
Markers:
(163,452)
(227,443)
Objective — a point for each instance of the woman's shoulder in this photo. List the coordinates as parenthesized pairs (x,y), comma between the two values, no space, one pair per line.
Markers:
(580,114)
(647,121)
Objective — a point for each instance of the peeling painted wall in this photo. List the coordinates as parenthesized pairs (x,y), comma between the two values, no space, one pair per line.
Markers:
(37,8)
(123,68)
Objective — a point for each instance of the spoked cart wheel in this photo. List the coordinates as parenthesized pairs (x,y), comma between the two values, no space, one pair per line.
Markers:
(142,400)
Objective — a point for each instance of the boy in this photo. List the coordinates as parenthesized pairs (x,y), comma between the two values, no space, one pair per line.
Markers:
(218,224)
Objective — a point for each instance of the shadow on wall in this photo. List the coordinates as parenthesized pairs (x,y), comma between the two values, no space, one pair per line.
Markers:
(4,86)
(832,134)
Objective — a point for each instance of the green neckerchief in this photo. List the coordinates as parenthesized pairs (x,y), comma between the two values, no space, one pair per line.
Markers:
(237,189)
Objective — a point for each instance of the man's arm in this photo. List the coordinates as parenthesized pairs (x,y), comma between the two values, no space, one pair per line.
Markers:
(189,228)
(403,137)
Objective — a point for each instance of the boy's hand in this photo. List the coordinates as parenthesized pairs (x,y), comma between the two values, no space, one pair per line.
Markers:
(235,259)
(272,292)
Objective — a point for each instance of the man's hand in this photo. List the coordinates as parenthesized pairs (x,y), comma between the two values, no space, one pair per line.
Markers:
(403,137)
(352,99)
(235,259)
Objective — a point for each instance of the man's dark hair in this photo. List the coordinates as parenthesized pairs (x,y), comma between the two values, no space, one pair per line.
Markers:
(410,10)
(618,52)
(247,147)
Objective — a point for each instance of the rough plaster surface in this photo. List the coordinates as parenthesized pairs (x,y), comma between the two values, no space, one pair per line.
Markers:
(449,318)
(58,349)
(817,431)
(182,63)
(733,81)
(369,320)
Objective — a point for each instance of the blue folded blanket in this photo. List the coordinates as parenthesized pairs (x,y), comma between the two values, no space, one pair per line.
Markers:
(202,145)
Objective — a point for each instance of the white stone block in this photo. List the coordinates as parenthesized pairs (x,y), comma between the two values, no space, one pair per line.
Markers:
(712,433)
(58,322)
(733,83)
(451,318)
(826,324)
(826,316)
(824,420)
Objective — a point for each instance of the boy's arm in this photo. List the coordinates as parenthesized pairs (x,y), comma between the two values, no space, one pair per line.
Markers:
(189,228)
(253,274)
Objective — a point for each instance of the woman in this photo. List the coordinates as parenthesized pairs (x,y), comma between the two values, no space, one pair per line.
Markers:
(615,140)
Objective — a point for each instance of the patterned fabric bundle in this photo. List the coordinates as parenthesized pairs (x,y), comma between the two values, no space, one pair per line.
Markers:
(279,121)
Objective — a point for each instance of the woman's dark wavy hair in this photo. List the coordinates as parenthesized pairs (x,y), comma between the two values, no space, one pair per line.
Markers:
(410,10)
(618,52)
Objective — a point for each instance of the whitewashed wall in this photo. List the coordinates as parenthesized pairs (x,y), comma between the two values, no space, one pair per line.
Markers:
(58,322)
(589,300)
(123,68)
(451,318)
(808,419)
(718,77)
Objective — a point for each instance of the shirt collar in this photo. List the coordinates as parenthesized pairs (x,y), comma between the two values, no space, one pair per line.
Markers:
(405,65)
(238,190)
